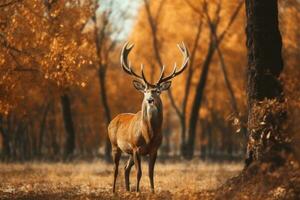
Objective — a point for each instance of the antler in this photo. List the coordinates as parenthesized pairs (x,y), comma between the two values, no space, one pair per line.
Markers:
(185,54)
(127,67)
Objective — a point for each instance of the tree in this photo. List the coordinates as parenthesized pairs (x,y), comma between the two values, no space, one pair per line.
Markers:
(267,113)
(40,51)
(213,46)
(105,40)
(269,152)
(63,57)
(103,50)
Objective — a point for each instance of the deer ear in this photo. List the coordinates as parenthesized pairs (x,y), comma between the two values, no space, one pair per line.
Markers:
(138,85)
(165,86)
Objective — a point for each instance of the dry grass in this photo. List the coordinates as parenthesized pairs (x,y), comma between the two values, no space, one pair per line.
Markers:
(83,180)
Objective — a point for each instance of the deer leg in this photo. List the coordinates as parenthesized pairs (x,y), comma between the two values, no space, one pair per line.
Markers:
(152,159)
(116,158)
(127,169)
(137,163)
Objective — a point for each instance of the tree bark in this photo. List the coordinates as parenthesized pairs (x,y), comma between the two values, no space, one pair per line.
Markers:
(69,126)
(264,50)
(264,67)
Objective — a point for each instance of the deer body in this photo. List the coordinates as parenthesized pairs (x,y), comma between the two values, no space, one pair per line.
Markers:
(140,134)
(137,132)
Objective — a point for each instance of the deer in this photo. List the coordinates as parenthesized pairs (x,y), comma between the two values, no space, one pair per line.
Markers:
(140,134)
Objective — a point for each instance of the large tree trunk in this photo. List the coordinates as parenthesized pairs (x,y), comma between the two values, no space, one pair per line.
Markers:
(265,98)
(69,126)
(103,95)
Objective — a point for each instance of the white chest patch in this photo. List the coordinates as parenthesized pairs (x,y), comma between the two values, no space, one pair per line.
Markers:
(152,111)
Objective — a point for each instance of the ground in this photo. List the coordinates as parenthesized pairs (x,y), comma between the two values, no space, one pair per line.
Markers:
(93,180)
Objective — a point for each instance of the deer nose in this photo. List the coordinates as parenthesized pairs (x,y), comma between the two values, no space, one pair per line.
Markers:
(150,100)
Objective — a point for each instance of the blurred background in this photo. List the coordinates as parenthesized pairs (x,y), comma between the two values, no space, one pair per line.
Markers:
(61,81)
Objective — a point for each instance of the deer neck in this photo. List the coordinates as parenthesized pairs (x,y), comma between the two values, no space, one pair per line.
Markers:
(152,117)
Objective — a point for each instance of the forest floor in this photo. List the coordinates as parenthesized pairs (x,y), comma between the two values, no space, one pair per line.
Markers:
(93,180)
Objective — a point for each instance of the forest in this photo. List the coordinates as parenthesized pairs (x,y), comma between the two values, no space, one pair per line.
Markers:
(230,112)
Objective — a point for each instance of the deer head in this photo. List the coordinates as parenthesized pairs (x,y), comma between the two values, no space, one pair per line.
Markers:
(152,91)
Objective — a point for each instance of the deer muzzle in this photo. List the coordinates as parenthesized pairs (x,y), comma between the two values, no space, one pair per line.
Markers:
(150,100)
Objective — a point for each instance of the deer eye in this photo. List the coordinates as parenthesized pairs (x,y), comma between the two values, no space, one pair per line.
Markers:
(157,91)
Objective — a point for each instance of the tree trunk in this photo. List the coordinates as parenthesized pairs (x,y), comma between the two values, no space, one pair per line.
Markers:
(204,139)
(103,59)
(55,147)
(265,98)
(187,89)
(69,126)
(197,102)
(5,141)
(103,95)
(42,129)
(183,145)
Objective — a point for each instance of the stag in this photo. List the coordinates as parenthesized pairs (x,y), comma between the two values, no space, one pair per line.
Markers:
(140,134)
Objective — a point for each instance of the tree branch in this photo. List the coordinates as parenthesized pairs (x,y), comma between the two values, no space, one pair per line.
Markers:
(231,20)
(222,63)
